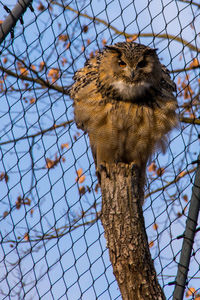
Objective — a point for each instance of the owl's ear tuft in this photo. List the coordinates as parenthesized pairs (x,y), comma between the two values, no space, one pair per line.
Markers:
(150,51)
(112,48)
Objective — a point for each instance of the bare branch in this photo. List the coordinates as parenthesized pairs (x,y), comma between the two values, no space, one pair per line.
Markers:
(190,2)
(190,120)
(184,69)
(128,35)
(38,133)
(40,81)
(55,233)
(177,178)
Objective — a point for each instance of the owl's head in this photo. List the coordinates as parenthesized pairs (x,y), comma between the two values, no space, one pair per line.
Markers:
(129,71)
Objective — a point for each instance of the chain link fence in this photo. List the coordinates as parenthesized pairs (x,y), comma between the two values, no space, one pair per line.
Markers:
(52,241)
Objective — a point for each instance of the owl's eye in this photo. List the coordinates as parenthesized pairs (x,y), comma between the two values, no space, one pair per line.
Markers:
(141,64)
(122,64)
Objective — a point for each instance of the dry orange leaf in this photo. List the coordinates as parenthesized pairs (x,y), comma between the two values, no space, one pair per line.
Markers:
(26,236)
(85,28)
(91,54)
(151,243)
(179,80)
(49,163)
(185,198)
(133,38)
(82,190)
(41,7)
(52,163)
(4,176)
(152,167)
(97,186)
(18,202)
(23,71)
(160,171)
(27,201)
(79,172)
(187,77)
(54,74)
(104,42)
(179,214)
(63,37)
(194,63)
(5,213)
(68,45)
(32,100)
(41,66)
(65,145)
(33,67)
(155,226)
(80,178)
(63,61)
(190,292)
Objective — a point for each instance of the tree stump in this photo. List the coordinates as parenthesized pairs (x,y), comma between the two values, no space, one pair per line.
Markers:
(123,222)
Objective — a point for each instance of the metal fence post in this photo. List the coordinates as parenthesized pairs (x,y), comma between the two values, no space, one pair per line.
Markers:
(188,236)
(13,17)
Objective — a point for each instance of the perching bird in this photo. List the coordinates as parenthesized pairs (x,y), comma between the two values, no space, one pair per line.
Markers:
(123,98)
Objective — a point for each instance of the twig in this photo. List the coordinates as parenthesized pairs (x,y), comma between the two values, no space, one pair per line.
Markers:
(190,120)
(129,35)
(38,133)
(39,81)
(177,178)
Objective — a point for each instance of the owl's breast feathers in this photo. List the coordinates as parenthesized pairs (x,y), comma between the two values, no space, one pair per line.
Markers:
(122,130)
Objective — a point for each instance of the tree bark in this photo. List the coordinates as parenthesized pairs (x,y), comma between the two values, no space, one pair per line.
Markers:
(123,222)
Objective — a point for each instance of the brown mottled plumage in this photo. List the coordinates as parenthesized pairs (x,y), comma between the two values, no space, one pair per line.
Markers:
(123,98)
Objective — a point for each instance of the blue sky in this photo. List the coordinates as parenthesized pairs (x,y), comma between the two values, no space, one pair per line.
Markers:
(78,261)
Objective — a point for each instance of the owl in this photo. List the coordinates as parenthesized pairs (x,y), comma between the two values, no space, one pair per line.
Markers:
(123,99)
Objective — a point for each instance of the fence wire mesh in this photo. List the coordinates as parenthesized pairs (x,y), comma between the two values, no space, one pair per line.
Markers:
(52,241)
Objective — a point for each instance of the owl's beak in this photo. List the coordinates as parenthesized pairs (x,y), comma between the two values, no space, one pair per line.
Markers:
(132,74)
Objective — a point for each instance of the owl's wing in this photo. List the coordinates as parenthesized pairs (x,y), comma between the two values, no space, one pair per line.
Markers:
(84,82)
(84,93)
(94,154)
(166,82)
(85,76)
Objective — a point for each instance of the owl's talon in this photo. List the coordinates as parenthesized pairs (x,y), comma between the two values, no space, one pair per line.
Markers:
(102,167)
(98,174)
